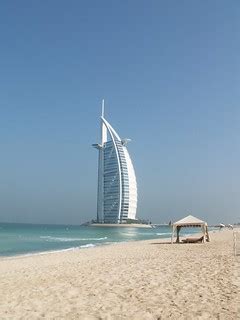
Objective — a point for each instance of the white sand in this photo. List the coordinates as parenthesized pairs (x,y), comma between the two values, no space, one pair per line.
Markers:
(138,280)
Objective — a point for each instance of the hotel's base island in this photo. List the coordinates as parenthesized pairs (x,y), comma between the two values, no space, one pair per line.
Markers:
(117,187)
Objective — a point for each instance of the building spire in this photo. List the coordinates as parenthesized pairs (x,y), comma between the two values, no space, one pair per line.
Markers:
(103,108)
(103,127)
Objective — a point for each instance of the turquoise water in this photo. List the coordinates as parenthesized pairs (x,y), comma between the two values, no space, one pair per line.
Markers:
(18,239)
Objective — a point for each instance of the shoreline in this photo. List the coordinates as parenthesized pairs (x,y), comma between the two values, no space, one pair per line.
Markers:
(91,246)
(71,249)
(145,279)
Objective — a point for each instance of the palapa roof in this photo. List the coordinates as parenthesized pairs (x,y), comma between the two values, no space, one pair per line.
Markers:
(190,221)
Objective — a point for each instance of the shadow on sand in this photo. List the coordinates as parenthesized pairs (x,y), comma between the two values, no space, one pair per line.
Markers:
(165,242)
(168,242)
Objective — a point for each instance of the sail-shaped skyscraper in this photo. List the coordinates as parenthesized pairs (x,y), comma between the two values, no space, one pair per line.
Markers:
(117,187)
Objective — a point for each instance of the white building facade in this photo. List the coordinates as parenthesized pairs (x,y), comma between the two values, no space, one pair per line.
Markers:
(117,187)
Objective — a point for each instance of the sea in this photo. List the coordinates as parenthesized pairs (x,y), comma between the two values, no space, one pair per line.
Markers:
(27,239)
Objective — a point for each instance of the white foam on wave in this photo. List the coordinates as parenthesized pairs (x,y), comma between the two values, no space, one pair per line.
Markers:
(163,233)
(30,254)
(89,245)
(60,239)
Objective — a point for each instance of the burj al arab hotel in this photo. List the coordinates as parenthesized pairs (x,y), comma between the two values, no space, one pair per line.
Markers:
(117,187)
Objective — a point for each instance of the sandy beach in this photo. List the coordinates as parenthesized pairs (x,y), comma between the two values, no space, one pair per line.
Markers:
(138,280)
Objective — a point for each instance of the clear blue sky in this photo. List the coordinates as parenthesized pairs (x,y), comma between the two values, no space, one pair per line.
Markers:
(169,72)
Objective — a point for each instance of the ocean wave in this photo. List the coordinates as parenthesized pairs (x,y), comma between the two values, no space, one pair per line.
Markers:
(163,233)
(60,239)
(20,255)
(89,245)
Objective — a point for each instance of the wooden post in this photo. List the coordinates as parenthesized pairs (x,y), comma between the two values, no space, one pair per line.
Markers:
(178,231)
(173,230)
(207,235)
(204,232)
